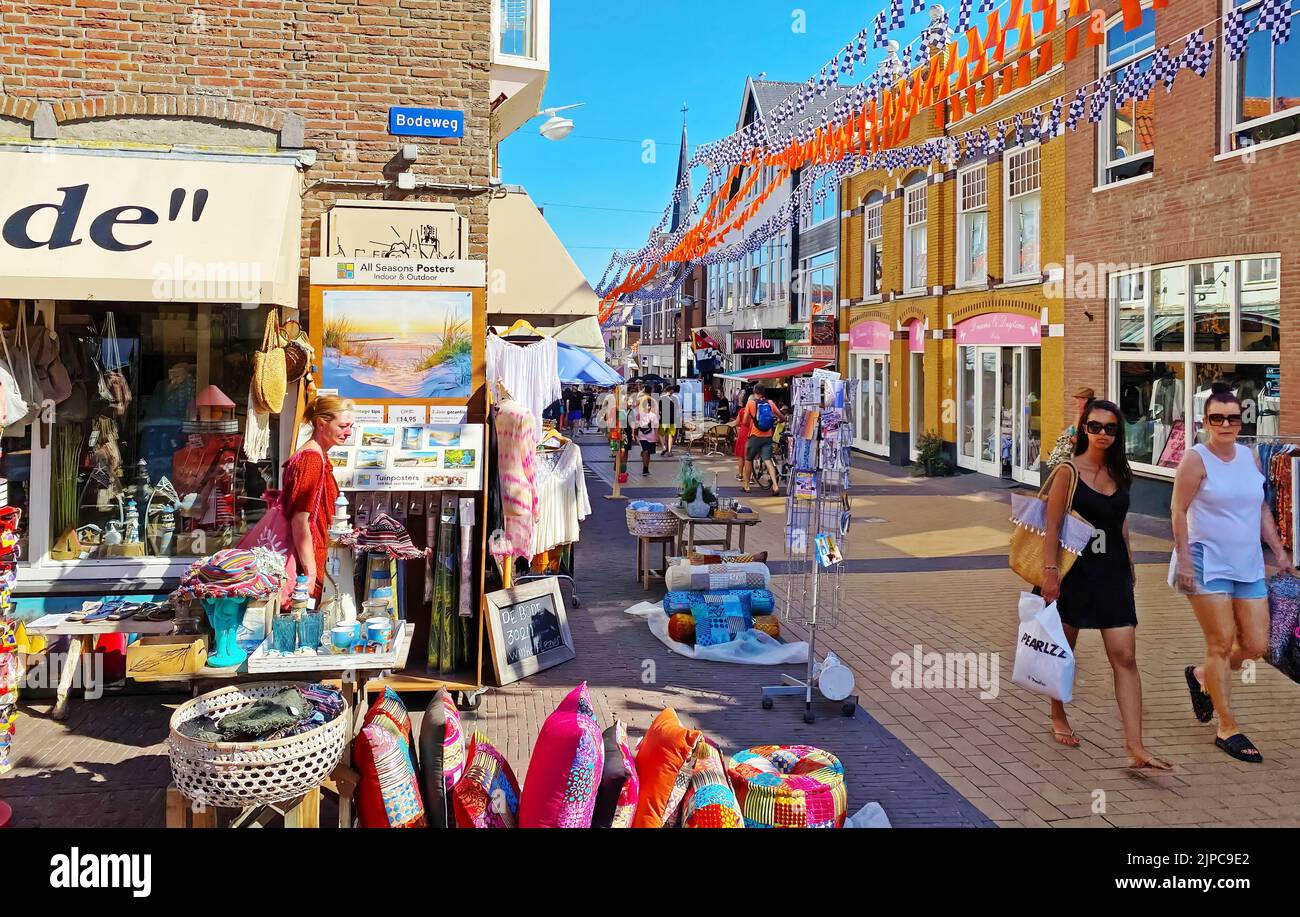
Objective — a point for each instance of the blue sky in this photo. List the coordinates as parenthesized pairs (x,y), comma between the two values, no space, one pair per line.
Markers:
(635,63)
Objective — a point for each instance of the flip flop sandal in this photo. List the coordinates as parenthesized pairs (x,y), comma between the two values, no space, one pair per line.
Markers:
(99,614)
(1236,747)
(1202,703)
(1058,736)
(123,612)
(161,614)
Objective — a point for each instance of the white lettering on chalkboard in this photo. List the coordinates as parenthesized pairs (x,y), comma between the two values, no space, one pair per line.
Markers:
(530,629)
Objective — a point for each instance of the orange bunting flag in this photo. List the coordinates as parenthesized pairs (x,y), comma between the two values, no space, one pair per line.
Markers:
(974,47)
(1079,8)
(1023,71)
(1038,5)
(972,99)
(940,122)
(1072,43)
(1013,14)
(1025,33)
(1132,14)
(993,34)
(1049,16)
(962,80)
(981,69)
(958,111)
(1044,58)
(1096,28)
(1009,78)
(990,91)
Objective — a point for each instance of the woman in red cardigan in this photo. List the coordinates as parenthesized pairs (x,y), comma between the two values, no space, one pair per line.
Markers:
(309,486)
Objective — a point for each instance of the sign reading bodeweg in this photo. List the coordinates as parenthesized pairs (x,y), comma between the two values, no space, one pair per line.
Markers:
(426,122)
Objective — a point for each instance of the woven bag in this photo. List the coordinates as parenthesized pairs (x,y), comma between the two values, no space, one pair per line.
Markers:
(1030,517)
(270,374)
(297,351)
(1283,614)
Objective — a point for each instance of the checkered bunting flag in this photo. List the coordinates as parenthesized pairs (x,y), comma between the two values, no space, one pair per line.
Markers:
(1197,53)
(907,57)
(1052,124)
(986,5)
(896,18)
(1075,114)
(1000,141)
(1235,34)
(1165,67)
(1144,82)
(963,15)
(1126,87)
(985,145)
(1017,125)
(1276,16)
(1100,100)
(878,26)
(860,52)
(917,6)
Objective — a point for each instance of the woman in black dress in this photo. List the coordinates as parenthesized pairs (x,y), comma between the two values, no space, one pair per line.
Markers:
(1098,592)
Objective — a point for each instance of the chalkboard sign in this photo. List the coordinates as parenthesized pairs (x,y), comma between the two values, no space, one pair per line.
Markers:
(528,630)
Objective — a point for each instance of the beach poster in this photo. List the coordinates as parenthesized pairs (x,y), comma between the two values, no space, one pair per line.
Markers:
(397,343)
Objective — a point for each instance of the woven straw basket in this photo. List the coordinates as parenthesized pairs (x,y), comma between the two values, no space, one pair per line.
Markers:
(239,774)
(651,525)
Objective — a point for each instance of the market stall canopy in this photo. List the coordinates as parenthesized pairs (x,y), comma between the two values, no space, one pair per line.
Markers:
(149,226)
(577,367)
(530,273)
(777,370)
(584,333)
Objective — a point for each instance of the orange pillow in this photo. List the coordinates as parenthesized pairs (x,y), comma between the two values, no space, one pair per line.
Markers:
(663,768)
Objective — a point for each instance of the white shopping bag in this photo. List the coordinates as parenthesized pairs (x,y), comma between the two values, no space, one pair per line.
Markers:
(1044,660)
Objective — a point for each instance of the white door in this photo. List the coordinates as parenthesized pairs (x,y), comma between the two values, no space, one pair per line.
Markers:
(990,441)
(917,401)
(872,434)
(1027,410)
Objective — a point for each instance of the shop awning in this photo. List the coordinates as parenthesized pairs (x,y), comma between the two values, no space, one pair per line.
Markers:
(530,272)
(777,370)
(149,227)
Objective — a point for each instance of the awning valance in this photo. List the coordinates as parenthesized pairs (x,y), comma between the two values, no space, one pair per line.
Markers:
(777,370)
(149,228)
(530,272)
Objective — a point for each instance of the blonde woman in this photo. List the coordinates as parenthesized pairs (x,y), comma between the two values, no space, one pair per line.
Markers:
(309,486)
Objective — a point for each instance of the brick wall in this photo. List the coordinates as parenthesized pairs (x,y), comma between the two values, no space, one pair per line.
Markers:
(1192,207)
(338,64)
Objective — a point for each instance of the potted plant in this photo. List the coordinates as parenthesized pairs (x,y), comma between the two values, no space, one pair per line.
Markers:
(931,457)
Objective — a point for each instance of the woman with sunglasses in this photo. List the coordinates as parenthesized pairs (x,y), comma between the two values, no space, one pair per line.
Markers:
(1220,518)
(1098,593)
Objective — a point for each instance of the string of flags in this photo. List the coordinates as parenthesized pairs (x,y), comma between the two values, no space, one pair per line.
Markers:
(821,151)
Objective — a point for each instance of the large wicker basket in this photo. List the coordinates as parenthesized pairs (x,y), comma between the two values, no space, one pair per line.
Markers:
(239,774)
(651,525)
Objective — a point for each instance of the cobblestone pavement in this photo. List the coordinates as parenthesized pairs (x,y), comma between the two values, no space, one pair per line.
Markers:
(926,566)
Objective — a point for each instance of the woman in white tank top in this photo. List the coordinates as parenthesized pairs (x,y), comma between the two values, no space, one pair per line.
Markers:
(1220,519)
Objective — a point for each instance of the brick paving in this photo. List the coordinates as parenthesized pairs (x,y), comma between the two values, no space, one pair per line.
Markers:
(930,757)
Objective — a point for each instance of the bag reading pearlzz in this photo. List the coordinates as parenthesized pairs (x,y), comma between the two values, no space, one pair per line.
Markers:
(1044,660)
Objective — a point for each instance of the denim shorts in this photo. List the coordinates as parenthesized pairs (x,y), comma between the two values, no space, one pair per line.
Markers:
(1238,590)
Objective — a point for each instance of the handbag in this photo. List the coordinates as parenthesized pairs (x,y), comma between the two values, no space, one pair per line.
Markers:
(274,531)
(1029,514)
(270,372)
(297,351)
(1283,614)
(1044,661)
(1063,451)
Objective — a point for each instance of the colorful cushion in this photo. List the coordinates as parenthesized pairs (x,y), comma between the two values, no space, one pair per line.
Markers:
(755,601)
(487,796)
(709,801)
(663,769)
(442,757)
(560,788)
(717,576)
(768,624)
(789,786)
(681,627)
(389,712)
(719,622)
(728,557)
(388,795)
(617,794)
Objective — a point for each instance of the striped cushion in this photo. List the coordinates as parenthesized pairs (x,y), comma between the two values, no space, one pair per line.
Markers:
(710,801)
(389,712)
(789,786)
(388,795)
(488,795)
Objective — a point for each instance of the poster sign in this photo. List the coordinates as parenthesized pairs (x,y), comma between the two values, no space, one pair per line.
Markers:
(527,630)
(452,415)
(1000,328)
(411,457)
(916,337)
(874,336)
(812,352)
(824,330)
(367,413)
(397,271)
(1175,446)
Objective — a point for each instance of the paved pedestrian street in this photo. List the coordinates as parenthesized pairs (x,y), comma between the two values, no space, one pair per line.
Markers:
(926,573)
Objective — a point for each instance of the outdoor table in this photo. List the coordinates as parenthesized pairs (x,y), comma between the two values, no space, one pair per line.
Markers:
(689,542)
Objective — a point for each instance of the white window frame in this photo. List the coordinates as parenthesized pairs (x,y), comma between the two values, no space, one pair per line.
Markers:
(1009,162)
(806,270)
(1107,164)
(1231,77)
(829,208)
(873,213)
(966,211)
(915,217)
(1188,357)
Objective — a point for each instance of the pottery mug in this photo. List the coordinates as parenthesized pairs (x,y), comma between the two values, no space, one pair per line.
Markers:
(343,636)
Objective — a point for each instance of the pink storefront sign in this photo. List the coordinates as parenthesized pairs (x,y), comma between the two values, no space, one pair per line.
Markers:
(870,336)
(1000,328)
(916,337)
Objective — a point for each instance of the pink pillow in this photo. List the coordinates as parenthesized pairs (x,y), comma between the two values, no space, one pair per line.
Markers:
(560,788)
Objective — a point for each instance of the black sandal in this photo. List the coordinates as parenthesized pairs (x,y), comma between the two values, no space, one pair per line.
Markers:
(1236,747)
(1202,703)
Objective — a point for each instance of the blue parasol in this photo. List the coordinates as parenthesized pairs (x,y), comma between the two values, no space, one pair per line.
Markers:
(578,367)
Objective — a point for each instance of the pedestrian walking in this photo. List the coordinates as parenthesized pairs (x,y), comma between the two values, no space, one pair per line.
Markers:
(1220,517)
(647,432)
(763,416)
(1064,447)
(742,432)
(1098,593)
(670,413)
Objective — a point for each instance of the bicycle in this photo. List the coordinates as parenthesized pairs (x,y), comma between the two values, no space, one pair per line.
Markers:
(780,459)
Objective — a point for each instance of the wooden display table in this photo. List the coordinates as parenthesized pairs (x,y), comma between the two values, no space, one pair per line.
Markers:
(736,521)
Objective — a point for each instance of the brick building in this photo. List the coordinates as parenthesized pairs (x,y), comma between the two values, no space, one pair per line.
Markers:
(1182,216)
(170,169)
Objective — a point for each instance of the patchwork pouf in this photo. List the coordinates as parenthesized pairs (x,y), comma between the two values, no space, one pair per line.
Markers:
(768,624)
(789,786)
(681,628)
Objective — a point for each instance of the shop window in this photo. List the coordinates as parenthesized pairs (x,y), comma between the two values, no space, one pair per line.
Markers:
(517,29)
(1023,209)
(1169,309)
(817,285)
(146,456)
(1264,84)
(1261,305)
(1257,385)
(1130,312)
(972,226)
(1212,305)
(825,202)
(1152,398)
(1127,133)
(872,254)
(914,234)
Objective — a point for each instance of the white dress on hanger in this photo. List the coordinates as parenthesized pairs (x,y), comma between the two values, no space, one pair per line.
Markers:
(530,372)
(562,500)
(1166,410)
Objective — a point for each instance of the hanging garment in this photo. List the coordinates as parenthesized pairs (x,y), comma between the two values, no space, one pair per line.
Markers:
(516,461)
(530,372)
(562,498)
(1166,409)
(1282,470)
